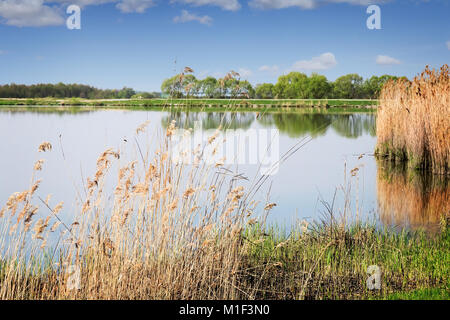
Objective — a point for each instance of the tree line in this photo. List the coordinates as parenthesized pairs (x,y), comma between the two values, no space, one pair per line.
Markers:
(294,85)
(62,90)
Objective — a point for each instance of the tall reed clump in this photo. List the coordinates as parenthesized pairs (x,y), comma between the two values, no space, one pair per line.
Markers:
(170,230)
(413,121)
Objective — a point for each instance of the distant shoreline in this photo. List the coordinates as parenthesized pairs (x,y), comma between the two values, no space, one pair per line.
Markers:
(238,104)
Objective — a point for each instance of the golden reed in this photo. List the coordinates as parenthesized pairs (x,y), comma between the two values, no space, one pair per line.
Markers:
(165,231)
(413,121)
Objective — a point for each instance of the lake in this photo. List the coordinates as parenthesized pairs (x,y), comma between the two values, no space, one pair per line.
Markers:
(320,173)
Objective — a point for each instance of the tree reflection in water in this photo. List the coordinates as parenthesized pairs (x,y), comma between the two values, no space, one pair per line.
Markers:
(294,125)
(210,120)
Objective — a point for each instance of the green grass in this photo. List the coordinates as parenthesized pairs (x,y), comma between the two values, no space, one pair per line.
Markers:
(207,103)
(330,262)
(422,294)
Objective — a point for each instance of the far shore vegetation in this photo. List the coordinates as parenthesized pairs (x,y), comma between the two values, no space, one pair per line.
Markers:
(294,85)
(202,104)
(293,90)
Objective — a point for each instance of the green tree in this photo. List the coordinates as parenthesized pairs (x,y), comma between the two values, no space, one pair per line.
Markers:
(231,88)
(246,89)
(180,85)
(372,87)
(348,87)
(264,91)
(318,87)
(291,86)
(209,87)
(173,87)
(126,93)
(190,85)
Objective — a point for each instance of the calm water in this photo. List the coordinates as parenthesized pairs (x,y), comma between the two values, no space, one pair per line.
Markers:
(314,174)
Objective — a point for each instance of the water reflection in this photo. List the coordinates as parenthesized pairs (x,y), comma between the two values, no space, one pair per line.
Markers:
(354,125)
(400,198)
(17,110)
(298,125)
(294,125)
(407,198)
(209,120)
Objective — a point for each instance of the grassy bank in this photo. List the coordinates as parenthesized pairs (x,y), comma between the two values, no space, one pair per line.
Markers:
(199,103)
(414,119)
(323,261)
(330,262)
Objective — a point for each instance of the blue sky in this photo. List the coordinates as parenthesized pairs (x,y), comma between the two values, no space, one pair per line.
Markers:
(135,43)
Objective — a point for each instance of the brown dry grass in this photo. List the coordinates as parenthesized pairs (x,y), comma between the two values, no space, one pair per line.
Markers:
(169,231)
(413,121)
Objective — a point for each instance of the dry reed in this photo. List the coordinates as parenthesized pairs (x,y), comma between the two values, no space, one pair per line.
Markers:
(173,232)
(413,121)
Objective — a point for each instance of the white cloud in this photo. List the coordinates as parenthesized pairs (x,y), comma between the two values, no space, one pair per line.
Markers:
(218,74)
(271,69)
(82,3)
(448,45)
(139,6)
(38,13)
(281,4)
(245,73)
(204,73)
(125,6)
(186,16)
(305,4)
(29,13)
(231,5)
(386,60)
(324,61)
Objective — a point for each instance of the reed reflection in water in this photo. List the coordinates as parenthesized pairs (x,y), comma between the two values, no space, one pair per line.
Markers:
(412,199)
